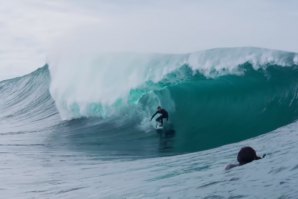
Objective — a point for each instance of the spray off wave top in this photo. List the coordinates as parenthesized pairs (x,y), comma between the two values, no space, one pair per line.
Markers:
(93,84)
(211,102)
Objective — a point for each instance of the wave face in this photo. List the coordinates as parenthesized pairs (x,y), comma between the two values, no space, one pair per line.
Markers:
(98,85)
(26,104)
(231,108)
(213,97)
(106,138)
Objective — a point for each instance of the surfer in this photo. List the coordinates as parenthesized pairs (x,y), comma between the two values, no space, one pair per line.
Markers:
(164,115)
(245,155)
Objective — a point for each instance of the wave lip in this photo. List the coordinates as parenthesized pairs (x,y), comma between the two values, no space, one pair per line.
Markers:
(212,107)
(101,84)
(223,61)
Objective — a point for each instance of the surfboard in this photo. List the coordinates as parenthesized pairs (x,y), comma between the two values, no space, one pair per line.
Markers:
(158,127)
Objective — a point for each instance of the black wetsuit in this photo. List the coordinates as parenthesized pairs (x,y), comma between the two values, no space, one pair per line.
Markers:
(164,115)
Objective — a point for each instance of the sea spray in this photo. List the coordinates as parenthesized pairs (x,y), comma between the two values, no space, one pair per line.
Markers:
(101,84)
(207,108)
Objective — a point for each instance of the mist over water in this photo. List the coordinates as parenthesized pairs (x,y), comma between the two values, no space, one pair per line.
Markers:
(214,97)
(31,29)
(115,79)
(82,126)
(79,126)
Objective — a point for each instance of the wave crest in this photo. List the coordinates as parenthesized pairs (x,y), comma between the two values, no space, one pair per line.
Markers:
(96,85)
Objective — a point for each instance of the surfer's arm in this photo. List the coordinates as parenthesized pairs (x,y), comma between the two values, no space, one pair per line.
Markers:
(154,115)
(230,166)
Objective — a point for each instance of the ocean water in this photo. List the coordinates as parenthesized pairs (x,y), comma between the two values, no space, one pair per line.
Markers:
(81,127)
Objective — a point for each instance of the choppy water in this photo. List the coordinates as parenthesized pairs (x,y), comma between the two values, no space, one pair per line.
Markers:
(108,148)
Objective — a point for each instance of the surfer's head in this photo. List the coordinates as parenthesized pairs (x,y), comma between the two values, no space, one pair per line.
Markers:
(246,155)
(158,108)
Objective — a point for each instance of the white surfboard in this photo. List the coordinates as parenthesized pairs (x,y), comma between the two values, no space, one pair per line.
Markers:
(158,126)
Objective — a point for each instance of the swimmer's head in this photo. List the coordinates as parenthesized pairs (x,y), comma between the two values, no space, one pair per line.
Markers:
(246,155)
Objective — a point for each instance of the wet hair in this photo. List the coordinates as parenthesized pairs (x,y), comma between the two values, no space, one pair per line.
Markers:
(158,107)
(246,155)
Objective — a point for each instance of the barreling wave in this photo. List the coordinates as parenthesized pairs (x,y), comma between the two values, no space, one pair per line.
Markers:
(214,97)
(224,94)
(102,85)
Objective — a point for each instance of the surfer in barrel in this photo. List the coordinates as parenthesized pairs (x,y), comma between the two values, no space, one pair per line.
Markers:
(163,115)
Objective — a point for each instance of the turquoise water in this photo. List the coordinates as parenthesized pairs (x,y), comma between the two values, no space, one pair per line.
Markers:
(109,143)
(207,112)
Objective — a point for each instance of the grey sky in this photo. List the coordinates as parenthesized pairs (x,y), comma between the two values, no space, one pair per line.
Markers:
(32,29)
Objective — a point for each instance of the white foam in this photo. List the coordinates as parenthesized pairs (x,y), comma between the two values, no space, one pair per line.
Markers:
(80,79)
(223,61)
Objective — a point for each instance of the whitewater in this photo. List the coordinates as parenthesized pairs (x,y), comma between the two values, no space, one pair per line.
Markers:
(80,126)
